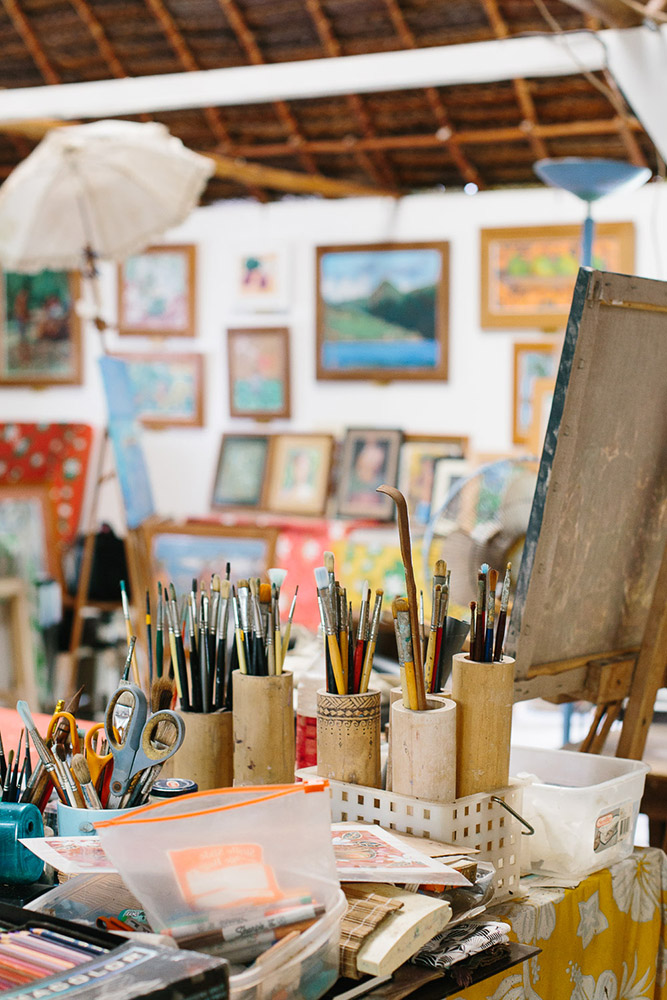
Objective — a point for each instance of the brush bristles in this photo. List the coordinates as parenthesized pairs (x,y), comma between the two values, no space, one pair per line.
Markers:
(225,589)
(80,769)
(242,585)
(329,561)
(162,692)
(264,593)
(321,577)
(277,576)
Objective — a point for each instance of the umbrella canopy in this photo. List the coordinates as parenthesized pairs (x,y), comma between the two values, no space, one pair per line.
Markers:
(111,187)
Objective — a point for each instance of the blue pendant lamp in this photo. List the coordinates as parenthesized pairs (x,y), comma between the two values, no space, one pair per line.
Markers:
(590,180)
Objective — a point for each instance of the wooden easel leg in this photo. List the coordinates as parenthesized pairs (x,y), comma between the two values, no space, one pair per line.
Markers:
(649,673)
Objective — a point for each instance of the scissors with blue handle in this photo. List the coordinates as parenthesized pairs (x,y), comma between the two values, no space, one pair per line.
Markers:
(134,741)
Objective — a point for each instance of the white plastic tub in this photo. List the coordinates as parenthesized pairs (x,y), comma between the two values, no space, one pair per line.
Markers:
(584,809)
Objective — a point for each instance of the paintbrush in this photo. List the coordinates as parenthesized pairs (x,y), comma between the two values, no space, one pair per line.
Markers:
(221,645)
(406,556)
(429,663)
(502,617)
(159,633)
(214,614)
(405,647)
(3,763)
(128,630)
(149,638)
(205,661)
(81,772)
(288,629)
(45,755)
(362,636)
(239,635)
(8,777)
(441,640)
(480,629)
(195,666)
(162,694)
(329,628)
(372,640)
(490,614)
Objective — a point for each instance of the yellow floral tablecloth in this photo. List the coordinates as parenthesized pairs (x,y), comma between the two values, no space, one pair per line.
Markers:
(604,940)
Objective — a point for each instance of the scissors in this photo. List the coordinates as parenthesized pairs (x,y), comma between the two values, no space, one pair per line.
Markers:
(133,738)
(96,761)
(70,722)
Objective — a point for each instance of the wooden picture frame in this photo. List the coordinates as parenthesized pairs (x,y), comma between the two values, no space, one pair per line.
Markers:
(240,477)
(531,361)
(299,473)
(156,292)
(416,469)
(528,273)
(258,369)
(28,533)
(543,394)
(40,332)
(382,311)
(168,388)
(261,279)
(369,458)
(179,551)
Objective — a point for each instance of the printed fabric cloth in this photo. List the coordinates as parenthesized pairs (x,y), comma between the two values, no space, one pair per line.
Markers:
(606,939)
(461,941)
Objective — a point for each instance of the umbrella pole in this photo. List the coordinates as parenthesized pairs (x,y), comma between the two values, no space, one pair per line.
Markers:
(92,276)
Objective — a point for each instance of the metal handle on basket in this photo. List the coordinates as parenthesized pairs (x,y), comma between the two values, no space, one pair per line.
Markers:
(529,831)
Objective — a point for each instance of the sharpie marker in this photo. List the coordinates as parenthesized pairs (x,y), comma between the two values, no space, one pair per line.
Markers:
(239,929)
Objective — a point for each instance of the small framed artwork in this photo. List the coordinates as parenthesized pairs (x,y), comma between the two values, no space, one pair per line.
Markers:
(543,394)
(261,280)
(418,458)
(240,476)
(156,292)
(180,551)
(258,366)
(28,540)
(531,362)
(298,480)
(168,388)
(447,473)
(40,333)
(382,311)
(528,274)
(369,459)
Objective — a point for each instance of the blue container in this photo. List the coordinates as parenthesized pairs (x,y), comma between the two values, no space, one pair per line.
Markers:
(75,822)
(18,865)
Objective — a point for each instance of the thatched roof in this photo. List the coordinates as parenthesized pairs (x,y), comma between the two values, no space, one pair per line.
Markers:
(398,141)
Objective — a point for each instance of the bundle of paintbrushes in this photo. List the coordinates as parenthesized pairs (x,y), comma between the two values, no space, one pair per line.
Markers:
(14,776)
(486,635)
(259,643)
(349,653)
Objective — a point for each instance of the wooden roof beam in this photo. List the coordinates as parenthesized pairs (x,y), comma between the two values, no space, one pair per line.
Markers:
(30,40)
(469,173)
(189,63)
(613,13)
(287,180)
(98,33)
(377,167)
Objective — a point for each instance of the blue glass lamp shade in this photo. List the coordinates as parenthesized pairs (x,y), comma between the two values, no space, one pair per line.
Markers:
(590,180)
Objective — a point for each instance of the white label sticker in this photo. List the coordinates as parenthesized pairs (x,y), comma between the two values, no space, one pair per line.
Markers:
(612,826)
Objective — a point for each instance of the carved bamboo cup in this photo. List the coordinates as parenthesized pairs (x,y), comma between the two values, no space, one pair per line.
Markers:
(348,737)
(264,739)
(207,752)
(423,750)
(484,694)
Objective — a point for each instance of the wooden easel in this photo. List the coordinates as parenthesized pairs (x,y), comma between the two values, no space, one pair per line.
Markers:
(135,557)
(590,614)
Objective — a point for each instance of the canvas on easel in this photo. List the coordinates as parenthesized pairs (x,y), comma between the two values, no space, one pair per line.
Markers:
(590,613)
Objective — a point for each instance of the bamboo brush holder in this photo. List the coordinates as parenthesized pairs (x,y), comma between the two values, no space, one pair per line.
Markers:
(348,737)
(264,739)
(423,750)
(207,753)
(484,694)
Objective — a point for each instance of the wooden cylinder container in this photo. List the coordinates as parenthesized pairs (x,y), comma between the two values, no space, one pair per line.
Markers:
(348,737)
(484,695)
(264,739)
(423,750)
(207,753)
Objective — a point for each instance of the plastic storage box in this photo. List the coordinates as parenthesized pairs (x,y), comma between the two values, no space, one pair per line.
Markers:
(583,807)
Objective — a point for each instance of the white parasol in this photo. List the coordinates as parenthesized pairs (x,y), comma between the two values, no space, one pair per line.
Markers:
(106,190)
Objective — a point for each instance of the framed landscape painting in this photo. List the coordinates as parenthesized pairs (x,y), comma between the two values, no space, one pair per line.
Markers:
(258,367)
(156,292)
(382,311)
(168,388)
(40,333)
(528,274)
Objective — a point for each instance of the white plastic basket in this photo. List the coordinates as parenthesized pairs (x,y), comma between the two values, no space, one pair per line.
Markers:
(479,821)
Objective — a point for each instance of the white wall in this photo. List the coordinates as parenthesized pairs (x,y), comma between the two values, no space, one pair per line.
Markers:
(476,400)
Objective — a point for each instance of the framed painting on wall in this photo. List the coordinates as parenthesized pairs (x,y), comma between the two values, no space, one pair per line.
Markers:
(28,546)
(258,367)
(369,459)
(261,280)
(240,476)
(180,551)
(168,388)
(298,480)
(417,463)
(156,292)
(382,311)
(531,362)
(40,333)
(528,274)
